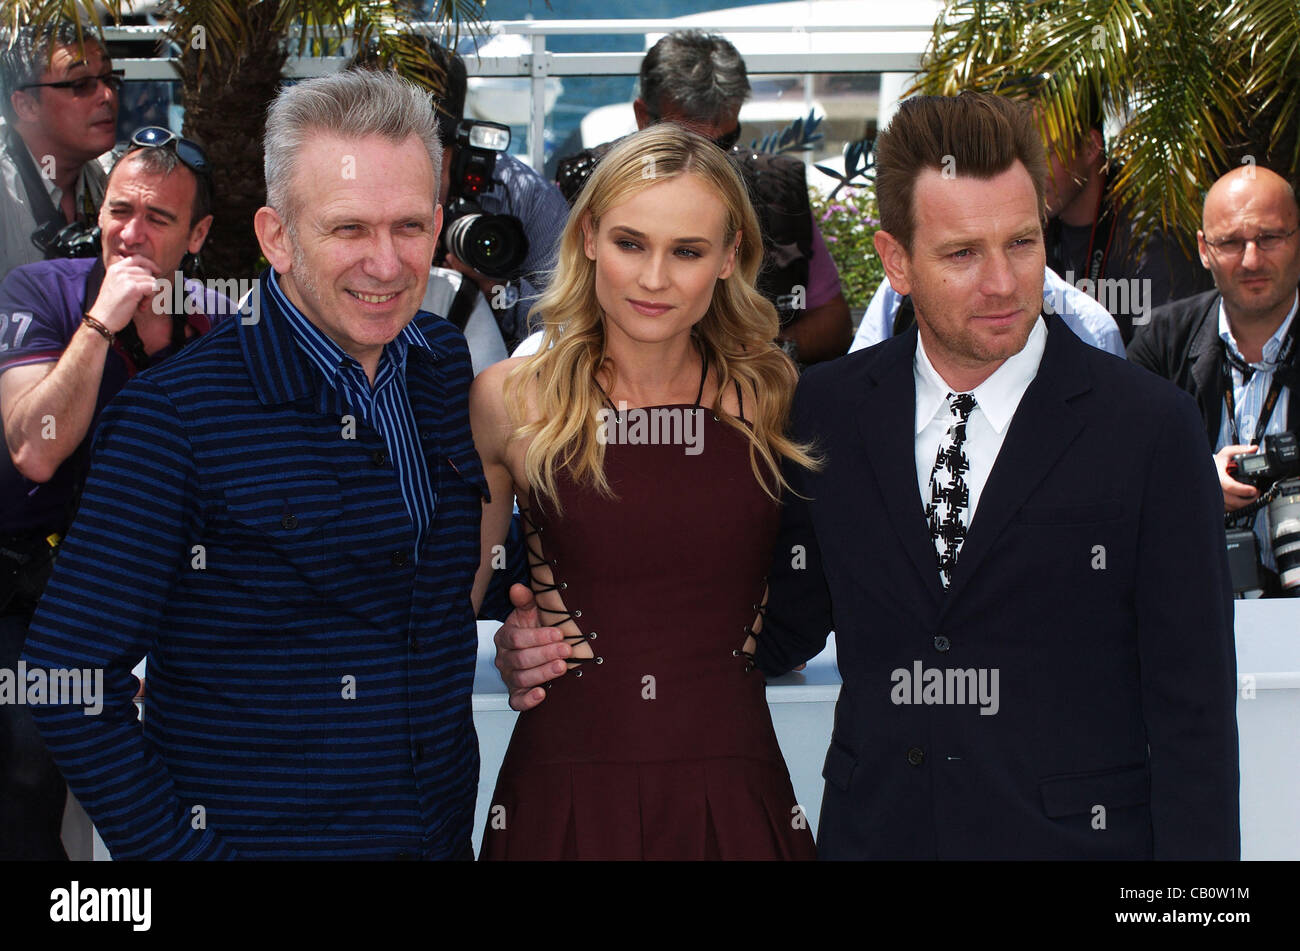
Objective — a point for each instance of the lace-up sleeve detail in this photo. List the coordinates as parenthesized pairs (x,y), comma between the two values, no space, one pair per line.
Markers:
(553,618)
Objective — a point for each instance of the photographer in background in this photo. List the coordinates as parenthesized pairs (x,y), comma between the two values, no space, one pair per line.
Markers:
(700,81)
(72,332)
(58,95)
(476,171)
(1235,348)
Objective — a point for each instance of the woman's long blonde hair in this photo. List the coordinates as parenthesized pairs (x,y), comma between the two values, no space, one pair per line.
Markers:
(736,333)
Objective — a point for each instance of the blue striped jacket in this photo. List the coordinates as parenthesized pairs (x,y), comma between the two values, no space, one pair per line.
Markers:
(309,679)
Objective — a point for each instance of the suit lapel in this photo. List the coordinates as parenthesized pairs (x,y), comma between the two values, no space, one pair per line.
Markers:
(886,419)
(1205,354)
(1042,428)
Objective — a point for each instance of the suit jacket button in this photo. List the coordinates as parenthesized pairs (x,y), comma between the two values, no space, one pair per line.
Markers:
(941,643)
(915,756)
(289,522)
(399,559)
(379,457)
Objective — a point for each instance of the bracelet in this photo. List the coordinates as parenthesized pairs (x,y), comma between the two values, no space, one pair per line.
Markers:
(99,328)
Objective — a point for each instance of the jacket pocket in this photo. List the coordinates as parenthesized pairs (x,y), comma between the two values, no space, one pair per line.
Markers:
(465,464)
(840,766)
(286,527)
(1080,792)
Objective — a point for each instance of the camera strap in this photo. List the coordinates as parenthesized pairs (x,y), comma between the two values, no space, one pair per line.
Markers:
(43,209)
(462,305)
(1231,360)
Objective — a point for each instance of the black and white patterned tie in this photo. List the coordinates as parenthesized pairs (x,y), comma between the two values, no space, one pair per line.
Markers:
(949,507)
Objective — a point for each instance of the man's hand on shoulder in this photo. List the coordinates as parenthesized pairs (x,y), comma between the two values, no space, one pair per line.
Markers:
(528,654)
(128,283)
(1236,494)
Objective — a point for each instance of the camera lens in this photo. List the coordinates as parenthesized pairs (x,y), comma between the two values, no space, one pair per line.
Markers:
(494,245)
(1284,522)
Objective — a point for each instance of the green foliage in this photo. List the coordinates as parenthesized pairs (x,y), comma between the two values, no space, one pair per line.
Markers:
(849,222)
(1198,85)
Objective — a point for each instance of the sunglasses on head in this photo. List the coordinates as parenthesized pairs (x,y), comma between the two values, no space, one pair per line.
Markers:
(156,137)
(85,86)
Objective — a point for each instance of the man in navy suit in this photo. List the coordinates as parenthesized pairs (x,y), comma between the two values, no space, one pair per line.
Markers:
(1017,539)
(1029,588)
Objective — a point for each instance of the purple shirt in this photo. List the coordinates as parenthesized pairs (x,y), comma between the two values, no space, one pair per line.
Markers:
(823,277)
(41,306)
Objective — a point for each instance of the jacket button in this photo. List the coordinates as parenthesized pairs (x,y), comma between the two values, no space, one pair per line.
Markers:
(915,756)
(399,559)
(289,522)
(941,643)
(379,457)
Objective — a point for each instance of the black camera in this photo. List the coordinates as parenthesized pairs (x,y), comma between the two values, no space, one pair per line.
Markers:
(1278,457)
(1274,469)
(77,240)
(494,245)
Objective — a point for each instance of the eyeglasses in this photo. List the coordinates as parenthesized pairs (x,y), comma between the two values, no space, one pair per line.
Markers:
(156,137)
(85,86)
(1264,243)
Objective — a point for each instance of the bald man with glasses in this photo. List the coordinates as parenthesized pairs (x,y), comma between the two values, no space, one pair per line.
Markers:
(59,99)
(1236,349)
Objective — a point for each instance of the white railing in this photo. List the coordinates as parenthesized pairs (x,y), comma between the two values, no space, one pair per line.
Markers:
(884,48)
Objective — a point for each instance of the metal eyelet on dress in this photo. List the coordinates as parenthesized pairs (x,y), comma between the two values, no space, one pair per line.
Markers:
(564,585)
(578,672)
(591,636)
(717,418)
(735,653)
(578,613)
(600,660)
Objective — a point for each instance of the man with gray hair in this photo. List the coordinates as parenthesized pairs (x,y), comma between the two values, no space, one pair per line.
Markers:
(58,98)
(285,519)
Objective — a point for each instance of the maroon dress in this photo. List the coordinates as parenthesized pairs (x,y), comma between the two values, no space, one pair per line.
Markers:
(660,746)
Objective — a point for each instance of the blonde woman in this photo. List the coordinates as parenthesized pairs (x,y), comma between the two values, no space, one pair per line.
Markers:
(644,444)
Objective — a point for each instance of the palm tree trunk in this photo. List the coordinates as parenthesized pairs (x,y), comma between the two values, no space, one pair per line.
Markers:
(225,110)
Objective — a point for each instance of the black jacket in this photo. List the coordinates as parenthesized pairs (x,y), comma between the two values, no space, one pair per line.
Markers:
(1182,344)
(1117,687)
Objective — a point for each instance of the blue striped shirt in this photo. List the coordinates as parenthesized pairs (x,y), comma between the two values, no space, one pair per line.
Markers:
(1248,398)
(384,406)
(309,678)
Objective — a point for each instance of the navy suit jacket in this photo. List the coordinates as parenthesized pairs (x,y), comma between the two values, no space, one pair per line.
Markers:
(1094,582)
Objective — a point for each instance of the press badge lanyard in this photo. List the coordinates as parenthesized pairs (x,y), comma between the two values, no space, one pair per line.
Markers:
(1231,360)
(1103,220)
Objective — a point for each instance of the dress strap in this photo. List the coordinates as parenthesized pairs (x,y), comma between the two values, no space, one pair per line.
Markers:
(741,400)
(704,375)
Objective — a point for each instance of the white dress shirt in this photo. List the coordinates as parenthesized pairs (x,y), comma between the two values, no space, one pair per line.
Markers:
(996,401)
